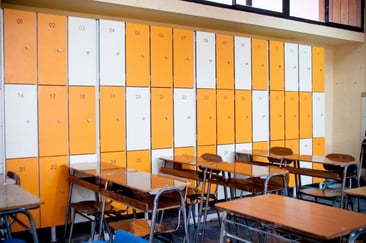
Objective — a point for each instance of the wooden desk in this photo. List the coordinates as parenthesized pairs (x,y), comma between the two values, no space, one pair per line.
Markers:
(297,170)
(303,218)
(358,192)
(256,180)
(15,200)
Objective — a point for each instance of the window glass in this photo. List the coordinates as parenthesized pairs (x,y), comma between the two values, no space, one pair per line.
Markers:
(273,5)
(308,9)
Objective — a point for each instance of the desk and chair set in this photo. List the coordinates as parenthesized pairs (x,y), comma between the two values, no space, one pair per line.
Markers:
(262,208)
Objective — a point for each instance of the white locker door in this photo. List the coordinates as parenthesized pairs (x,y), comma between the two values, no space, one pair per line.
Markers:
(243,63)
(260,115)
(137,118)
(112,52)
(156,163)
(21,134)
(305,70)
(306,148)
(184,117)
(82,51)
(205,60)
(291,67)
(318,115)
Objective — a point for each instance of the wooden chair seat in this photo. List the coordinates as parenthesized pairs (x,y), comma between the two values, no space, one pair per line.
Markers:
(321,193)
(139,227)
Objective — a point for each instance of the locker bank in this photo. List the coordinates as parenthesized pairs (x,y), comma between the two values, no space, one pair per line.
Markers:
(127,82)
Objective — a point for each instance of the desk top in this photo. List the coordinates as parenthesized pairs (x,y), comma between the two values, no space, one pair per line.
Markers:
(246,169)
(145,182)
(358,191)
(181,159)
(15,197)
(90,168)
(297,157)
(311,219)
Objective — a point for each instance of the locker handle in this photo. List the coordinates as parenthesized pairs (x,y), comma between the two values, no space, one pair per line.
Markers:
(188,117)
(87,52)
(27,46)
(188,58)
(118,118)
(88,120)
(166,57)
(59,120)
(142,55)
(117,53)
(166,118)
(143,118)
(59,50)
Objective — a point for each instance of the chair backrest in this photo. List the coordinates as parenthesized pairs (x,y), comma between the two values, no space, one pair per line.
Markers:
(211,157)
(13,175)
(339,157)
(280,152)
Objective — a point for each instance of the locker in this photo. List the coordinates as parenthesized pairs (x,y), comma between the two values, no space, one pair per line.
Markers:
(21,134)
(137,118)
(260,114)
(291,115)
(225,116)
(161,56)
(156,163)
(53,190)
(184,151)
(139,160)
(291,67)
(243,116)
(112,52)
(112,118)
(205,60)
(276,65)
(305,115)
(82,120)
(306,147)
(184,117)
(27,169)
(305,69)
(114,158)
(293,144)
(227,152)
(260,146)
(161,118)
(318,115)
(206,149)
(224,61)
(137,55)
(52,49)
(318,69)
(318,150)
(82,51)
(206,117)
(277,115)
(20,47)
(243,63)
(52,120)
(275,143)
(183,53)
(259,64)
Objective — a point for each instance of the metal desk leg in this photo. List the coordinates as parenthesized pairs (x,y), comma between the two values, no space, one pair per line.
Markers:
(223,225)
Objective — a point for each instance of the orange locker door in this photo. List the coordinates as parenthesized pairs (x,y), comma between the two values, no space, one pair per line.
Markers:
(206,116)
(259,64)
(260,146)
(161,118)
(275,143)
(318,150)
(137,55)
(277,115)
(276,65)
(82,120)
(53,190)
(161,57)
(291,115)
(52,39)
(20,46)
(318,69)
(27,169)
(183,64)
(52,120)
(243,116)
(112,118)
(113,158)
(224,61)
(139,160)
(293,144)
(225,116)
(305,117)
